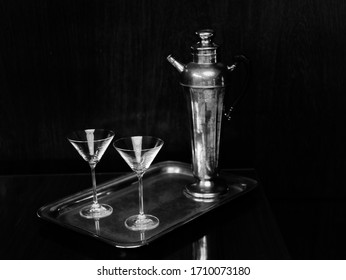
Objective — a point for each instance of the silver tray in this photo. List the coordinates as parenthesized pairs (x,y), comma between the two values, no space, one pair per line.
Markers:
(163,197)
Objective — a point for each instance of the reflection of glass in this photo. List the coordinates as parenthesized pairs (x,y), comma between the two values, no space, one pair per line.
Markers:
(142,233)
(139,152)
(142,236)
(91,145)
(97,225)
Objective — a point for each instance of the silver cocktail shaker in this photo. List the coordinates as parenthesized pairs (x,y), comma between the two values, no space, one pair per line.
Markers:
(204,81)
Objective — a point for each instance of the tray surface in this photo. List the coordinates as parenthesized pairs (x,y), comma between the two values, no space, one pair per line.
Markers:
(164,183)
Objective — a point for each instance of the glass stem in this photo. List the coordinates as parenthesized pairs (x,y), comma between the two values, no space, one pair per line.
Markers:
(140,191)
(93,178)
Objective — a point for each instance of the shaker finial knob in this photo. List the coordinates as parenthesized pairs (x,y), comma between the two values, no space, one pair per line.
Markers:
(205,35)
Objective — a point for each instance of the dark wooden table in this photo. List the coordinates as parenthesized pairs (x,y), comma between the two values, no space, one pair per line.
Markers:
(242,229)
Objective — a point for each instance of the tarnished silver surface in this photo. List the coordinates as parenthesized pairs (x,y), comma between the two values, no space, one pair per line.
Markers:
(205,110)
(204,71)
(163,197)
(204,80)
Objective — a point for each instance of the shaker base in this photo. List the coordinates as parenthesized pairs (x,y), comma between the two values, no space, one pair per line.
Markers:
(206,191)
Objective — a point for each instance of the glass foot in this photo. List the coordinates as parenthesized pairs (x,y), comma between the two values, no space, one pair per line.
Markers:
(141,222)
(96,212)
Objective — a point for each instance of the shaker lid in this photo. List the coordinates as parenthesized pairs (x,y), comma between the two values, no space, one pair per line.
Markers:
(205,42)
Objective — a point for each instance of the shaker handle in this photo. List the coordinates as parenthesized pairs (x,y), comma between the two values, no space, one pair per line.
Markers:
(238,59)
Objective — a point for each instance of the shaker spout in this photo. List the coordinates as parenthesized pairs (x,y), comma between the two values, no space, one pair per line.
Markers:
(179,66)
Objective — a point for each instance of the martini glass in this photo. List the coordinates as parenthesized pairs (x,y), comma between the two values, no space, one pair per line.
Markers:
(91,144)
(139,152)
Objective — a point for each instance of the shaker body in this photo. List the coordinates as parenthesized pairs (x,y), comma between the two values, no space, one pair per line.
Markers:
(205,108)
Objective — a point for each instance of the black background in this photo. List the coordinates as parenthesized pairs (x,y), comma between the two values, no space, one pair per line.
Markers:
(67,65)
